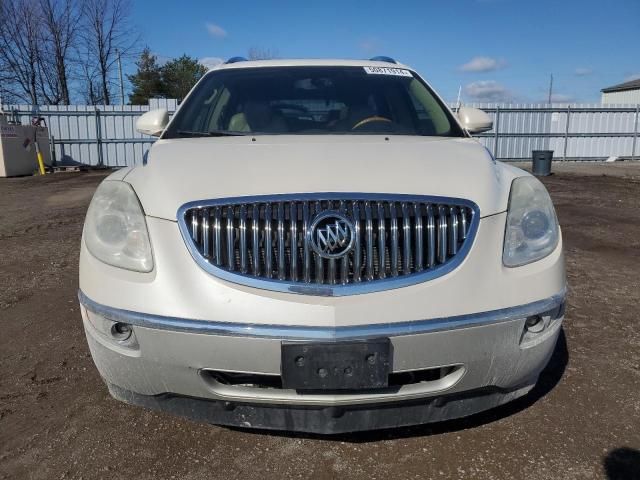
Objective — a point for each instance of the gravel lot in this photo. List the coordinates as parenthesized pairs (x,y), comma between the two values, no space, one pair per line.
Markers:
(582,421)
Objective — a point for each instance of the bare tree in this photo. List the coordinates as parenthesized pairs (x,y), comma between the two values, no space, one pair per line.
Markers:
(50,47)
(59,20)
(20,50)
(6,93)
(106,30)
(258,53)
(36,37)
(89,88)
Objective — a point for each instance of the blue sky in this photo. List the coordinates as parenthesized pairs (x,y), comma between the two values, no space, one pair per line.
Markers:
(497,50)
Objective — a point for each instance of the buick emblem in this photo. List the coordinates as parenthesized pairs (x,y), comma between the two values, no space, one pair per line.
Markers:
(331,235)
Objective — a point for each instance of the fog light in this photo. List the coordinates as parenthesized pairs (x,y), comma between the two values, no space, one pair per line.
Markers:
(534,324)
(121,331)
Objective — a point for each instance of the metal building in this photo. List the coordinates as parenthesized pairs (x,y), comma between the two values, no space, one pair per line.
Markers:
(627,93)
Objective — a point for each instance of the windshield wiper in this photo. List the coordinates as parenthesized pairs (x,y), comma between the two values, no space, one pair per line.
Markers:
(225,133)
(211,133)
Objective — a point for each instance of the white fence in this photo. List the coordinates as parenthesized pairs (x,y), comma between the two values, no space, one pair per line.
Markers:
(93,135)
(106,135)
(573,132)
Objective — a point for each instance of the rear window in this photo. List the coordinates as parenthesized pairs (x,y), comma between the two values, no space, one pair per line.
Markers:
(312,100)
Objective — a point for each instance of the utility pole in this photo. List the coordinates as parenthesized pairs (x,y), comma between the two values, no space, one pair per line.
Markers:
(550,88)
(121,80)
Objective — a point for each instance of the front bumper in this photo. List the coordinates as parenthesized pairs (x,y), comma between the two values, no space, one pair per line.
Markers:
(485,360)
(472,343)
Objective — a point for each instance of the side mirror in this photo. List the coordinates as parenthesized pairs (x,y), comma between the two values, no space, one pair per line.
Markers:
(153,122)
(474,120)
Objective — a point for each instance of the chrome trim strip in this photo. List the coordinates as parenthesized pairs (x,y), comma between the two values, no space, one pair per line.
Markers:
(356,288)
(243,239)
(268,251)
(406,237)
(218,236)
(231,259)
(281,271)
(453,231)
(319,268)
(205,232)
(393,221)
(319,259)
(293,227)
(418,216)
(332,271)
(552,306)
(357,251)
(194,226)
(344,263)
(305,245)
(463,225)
(431,237)
(382,261)
(442,234)
(255,225)
(369,240)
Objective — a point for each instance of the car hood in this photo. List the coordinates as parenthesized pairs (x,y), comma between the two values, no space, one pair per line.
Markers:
(185,170)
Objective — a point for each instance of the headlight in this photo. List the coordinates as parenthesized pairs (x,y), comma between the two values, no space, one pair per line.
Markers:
(532,229)
(115,230)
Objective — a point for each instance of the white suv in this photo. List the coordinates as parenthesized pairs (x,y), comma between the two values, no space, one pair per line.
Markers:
(319,245)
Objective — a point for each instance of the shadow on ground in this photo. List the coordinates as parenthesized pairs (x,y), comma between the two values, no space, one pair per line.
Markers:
(622,464)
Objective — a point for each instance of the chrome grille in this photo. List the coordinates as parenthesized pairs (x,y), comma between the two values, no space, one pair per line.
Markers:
(262,241)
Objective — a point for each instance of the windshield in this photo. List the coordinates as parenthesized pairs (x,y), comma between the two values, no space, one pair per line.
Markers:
(312,100)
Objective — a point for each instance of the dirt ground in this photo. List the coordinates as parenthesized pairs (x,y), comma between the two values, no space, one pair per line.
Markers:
(582,421)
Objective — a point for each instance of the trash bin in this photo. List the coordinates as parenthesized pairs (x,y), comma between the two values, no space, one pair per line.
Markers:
(542,162)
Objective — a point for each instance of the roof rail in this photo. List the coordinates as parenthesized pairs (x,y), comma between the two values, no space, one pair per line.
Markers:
(236,60)
(382,58)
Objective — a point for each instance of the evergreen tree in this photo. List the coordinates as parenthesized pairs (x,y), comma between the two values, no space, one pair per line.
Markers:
(180,74)
(147,81)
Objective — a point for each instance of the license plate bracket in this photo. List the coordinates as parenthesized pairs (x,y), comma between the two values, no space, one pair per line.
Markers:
(351,365)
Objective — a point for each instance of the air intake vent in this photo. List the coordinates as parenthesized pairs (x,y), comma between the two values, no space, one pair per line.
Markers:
(329,244)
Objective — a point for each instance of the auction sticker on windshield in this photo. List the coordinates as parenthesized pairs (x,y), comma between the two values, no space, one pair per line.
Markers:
(387,71)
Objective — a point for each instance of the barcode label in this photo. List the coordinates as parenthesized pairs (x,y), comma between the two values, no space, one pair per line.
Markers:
(400,72)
